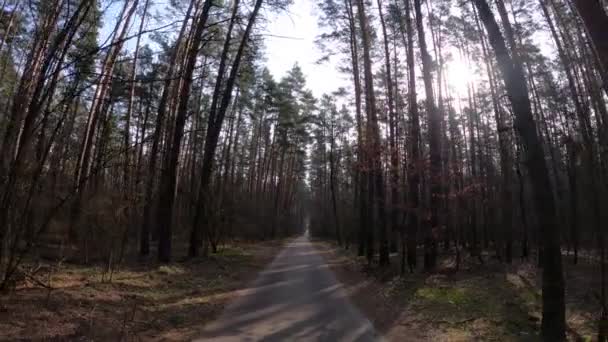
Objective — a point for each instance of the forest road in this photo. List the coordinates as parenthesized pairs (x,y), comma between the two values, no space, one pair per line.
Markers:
(296,298)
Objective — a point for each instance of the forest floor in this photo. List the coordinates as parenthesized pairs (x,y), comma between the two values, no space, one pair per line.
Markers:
(489,302)
(142,301)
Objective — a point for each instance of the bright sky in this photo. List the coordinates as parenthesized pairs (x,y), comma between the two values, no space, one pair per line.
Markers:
(289,39)
(300,25)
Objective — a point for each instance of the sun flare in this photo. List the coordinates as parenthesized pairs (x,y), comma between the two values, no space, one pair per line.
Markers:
(459,76)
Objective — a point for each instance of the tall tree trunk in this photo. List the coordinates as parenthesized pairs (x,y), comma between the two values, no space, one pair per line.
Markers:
(332,187)
(216,119)
(85,159)
(168,178)
(376,182)
(434,121)
(126,135)
(144,242)
(360,191)
(394,158)
(415,163)
(505,150)
(553,321)
(37,85)
(596,20)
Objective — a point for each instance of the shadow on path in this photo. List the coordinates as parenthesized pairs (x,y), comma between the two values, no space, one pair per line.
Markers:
(297,297)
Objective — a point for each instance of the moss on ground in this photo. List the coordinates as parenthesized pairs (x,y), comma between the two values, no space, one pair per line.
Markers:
(457,297)
(478,303)
(475,307)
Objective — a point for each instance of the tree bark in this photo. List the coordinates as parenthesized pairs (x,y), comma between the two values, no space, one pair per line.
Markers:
(376,182)
(144,239)
(434,121)
(168,176)
(394,157)
(216,119)
(596,20)
(553,322)
(414,166)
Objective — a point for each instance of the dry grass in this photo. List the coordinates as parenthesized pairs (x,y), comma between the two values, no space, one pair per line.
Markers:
(144,301)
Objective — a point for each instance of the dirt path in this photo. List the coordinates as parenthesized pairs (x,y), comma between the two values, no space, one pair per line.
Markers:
(297,297)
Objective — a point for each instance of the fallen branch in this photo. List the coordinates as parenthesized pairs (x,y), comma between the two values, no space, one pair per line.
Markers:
(462,321)
(34,279)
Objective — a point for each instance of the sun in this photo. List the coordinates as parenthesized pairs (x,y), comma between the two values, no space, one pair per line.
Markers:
(459,75)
